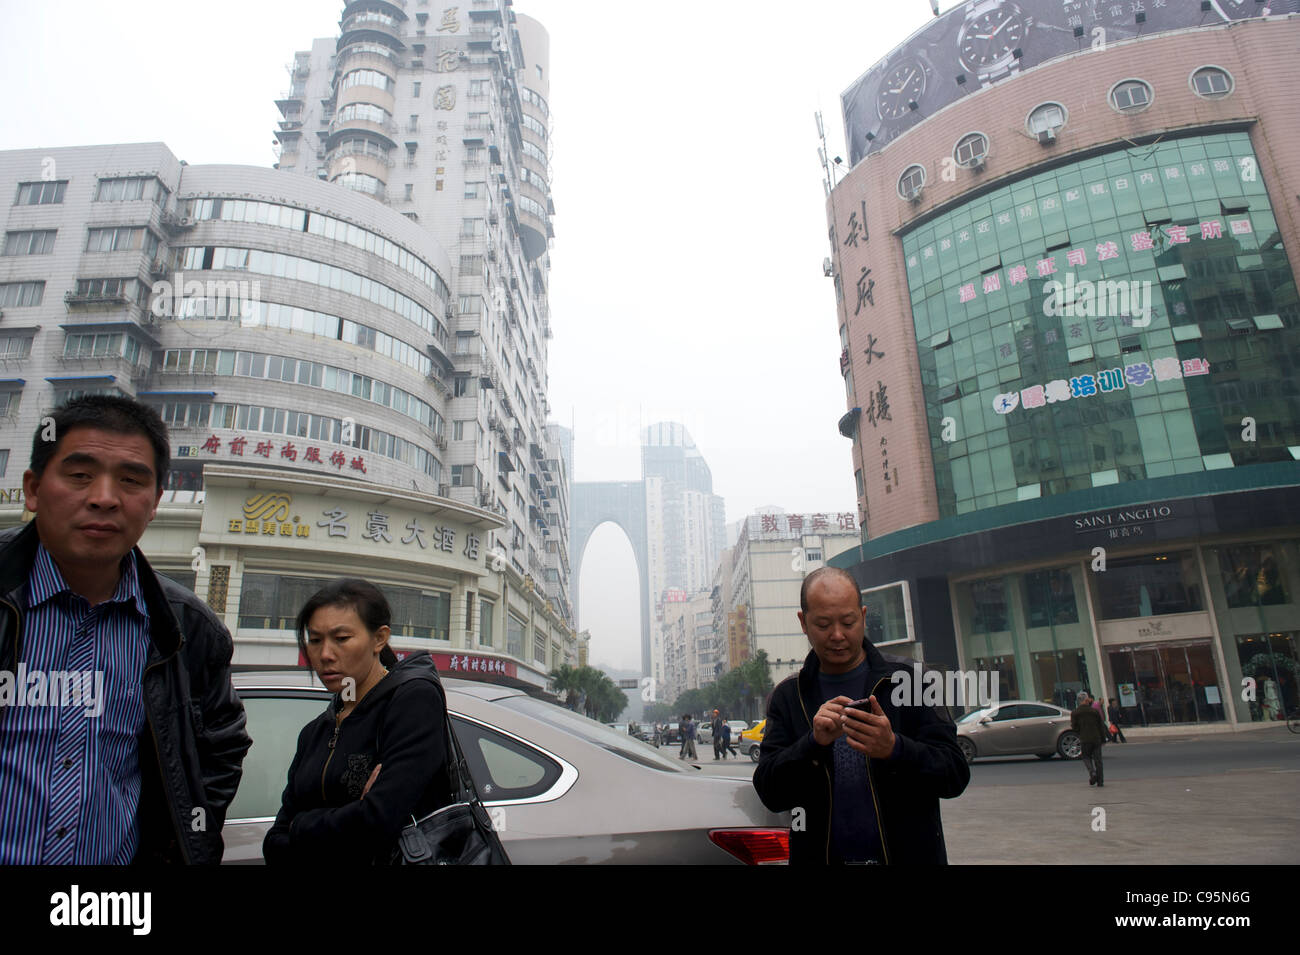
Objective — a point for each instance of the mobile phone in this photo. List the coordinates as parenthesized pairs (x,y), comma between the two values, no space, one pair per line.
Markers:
(863,705)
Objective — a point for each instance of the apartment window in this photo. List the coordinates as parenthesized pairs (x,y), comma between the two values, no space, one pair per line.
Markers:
(15,346)
(911,181)
(971,149)
(471,228)
(117,190)
(92,346)
(100,289)
(1045,117)
(39,242)
(473,154)
(471,304)
(367,78)
(475,190)
(414,125)
(458,430)
(410,191)
(16,294)
(1212,82)
(4,461)
(478,88)
(415,88)
(485,610)
(120,239)
(40,193)
(464,386)
(1130,96)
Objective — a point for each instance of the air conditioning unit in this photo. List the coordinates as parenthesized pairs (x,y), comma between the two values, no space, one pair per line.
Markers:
(444,490)
(915,195)
(440,441)
(977,164)
(827,269)
(1046,136)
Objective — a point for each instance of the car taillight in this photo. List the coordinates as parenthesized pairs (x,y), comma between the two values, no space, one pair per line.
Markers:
(754,846)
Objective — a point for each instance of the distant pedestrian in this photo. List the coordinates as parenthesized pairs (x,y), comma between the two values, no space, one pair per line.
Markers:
(1086,721)
(1116,720)
(726,740)
(716,732)
(688,734)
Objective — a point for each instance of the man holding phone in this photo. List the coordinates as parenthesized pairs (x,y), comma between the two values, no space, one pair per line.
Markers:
(867,774)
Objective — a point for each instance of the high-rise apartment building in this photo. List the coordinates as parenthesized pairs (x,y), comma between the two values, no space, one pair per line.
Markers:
(354,385)
(440,112)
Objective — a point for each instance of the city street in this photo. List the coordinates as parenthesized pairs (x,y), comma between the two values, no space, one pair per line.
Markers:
(1192,800)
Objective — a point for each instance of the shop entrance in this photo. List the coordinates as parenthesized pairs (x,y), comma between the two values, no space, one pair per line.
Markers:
(1160,684)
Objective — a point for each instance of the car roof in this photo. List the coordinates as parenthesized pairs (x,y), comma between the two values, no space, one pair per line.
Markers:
(287,678)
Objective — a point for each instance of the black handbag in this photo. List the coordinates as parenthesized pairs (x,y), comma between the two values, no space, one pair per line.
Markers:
(459,834)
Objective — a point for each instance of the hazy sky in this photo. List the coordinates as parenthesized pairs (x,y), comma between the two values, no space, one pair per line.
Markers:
(686,277)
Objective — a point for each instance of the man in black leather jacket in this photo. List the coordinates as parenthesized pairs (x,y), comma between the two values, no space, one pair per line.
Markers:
(192,740)
(863,783)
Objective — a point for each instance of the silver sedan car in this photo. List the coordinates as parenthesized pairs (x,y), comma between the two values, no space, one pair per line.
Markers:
(560,787)
(1018,728)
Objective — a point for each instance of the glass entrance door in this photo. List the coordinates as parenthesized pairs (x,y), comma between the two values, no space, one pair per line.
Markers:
(1158,685)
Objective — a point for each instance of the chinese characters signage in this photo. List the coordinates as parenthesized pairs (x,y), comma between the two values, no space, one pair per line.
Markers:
(240,447)
(766,526)
(1142,241)
(1136,375)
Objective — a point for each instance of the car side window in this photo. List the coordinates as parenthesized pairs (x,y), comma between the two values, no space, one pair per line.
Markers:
(503,768)
(1031,710)
(1005,713)
(274,723)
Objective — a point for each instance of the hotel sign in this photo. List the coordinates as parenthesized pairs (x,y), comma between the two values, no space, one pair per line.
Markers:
(356,526)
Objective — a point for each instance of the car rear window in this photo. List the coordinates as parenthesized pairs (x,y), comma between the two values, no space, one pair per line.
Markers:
(620,744)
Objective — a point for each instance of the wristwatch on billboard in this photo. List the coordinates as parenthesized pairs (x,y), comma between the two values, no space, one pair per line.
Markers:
(990,34)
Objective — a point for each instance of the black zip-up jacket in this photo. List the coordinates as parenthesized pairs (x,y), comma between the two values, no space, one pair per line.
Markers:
(794,771)
(399,724)
(193,744)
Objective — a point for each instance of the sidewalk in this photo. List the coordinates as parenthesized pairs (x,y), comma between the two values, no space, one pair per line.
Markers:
(1238,817)
(1164,734)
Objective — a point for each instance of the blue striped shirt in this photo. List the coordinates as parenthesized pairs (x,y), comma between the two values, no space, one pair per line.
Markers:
(69,749)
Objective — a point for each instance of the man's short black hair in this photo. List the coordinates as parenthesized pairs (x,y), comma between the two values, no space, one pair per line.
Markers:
(105,413)
(819,574)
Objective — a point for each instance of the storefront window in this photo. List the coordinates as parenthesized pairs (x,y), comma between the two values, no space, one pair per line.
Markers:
(1251,576)
(1149,586)
(1272,660)
(515,636)
(1005,667)
(1061,675)
(419,614)
(989,606)
(272,602)
(886,614)
(485,608)
(1049,599)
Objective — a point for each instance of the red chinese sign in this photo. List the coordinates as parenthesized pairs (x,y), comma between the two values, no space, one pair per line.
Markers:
(238,445)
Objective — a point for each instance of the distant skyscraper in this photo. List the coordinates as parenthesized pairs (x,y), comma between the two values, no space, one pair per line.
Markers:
(671,516)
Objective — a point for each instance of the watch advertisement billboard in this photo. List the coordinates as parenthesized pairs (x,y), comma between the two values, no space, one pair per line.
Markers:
(979,43)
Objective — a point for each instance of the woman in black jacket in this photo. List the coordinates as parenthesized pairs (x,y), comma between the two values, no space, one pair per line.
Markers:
(377,756)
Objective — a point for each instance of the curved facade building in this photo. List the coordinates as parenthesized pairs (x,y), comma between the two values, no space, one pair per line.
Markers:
(296,338)
(1068,309)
